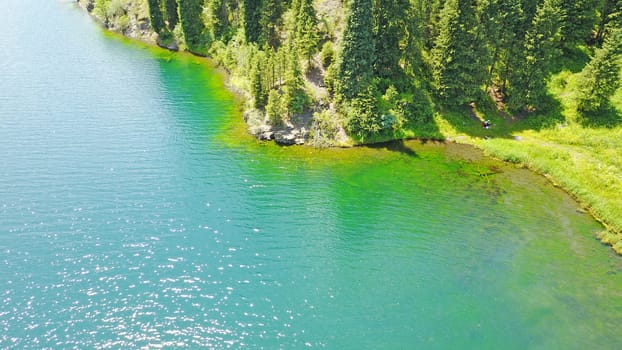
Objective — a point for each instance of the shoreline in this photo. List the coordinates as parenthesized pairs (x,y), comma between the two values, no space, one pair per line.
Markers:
(298,135)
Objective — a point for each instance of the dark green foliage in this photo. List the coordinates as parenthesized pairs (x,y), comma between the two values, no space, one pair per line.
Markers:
(580,20)
(295,99)
(275,109)
(457,57)
(427,15)
(529,8)
(155,16)
(251,15)
(396,57)
(504,27)
(306,37)
(610,17)
(171,13)
(390,25)
(355,65)
(258,85)
(362,116)
(217,18)
(601,77)
(270,13)
(222,18)
(192,24)
(528,85)
(327,55)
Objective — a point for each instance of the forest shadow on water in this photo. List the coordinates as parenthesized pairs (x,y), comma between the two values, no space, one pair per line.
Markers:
(398,146)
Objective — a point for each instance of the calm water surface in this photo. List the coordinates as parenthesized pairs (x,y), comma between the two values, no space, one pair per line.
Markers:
(132,214)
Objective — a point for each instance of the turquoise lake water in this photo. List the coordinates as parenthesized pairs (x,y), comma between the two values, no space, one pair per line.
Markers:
(135,214)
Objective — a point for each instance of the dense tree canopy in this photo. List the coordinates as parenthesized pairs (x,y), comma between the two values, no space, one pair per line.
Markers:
(355,66)
(385,63)
(601,77)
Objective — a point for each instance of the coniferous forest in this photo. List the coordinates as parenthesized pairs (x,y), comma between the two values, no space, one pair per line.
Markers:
(381,69)
(534,82)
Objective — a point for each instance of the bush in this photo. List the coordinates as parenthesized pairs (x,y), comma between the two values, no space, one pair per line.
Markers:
(123,22)
(326,126)
(275,109)
(327,55)
(362,118)
(329,78)
(116,8)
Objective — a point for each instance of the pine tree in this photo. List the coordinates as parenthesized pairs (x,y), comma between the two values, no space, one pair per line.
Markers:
(306,30)
(504,27)
(258,86)
(171,13)
(389,31)
(251,15)
(355,66)
(528,85)
(155,16)
(601,76)
(579,20)
(216,18)
(457,67)
(270,13)
(610,17)
(294,98)
(191,23)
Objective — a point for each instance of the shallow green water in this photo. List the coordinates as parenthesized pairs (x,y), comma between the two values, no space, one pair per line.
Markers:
(132,214)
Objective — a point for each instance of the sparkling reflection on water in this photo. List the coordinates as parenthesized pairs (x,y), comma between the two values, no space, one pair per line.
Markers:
(130,218)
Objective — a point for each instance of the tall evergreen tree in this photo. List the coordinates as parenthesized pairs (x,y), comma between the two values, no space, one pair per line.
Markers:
(155,16)
(191,23)
(251,16)
(610,17)
(389,32)
(579,20)
(503,25)
(294,98)
(601,76)
(257,76)
(428,14)
(355,65)
(171,13)
(457,67)
(306,30)
(528,85)
(270,14)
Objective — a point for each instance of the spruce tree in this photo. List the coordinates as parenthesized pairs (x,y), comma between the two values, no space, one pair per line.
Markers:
(171,13)
(155,16)
(191,23)
(258,86)
(270,13)
(251,16)
(580,20)
(457,57)
(528,84)
(306,30)
(355,66)
(601,76)
(389,32)
(503,25)
(610,17)
(294,97)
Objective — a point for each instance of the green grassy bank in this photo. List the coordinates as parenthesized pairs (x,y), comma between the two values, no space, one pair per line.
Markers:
(582,155)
